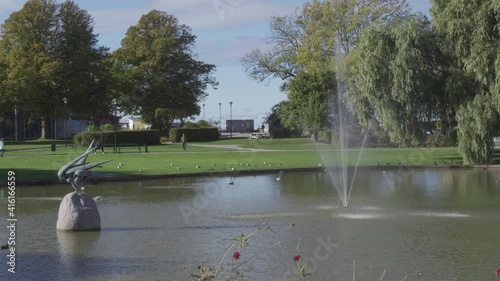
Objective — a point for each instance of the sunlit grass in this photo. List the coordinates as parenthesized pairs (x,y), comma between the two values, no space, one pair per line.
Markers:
(35,161)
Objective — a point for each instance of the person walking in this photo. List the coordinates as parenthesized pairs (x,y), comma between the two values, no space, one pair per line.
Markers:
(183,141)
(2,147)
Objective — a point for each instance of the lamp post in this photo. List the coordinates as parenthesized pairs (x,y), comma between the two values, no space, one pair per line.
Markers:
(220,118)
(15,120)
(231,119)
(116,123)
(65,100)
(203,111)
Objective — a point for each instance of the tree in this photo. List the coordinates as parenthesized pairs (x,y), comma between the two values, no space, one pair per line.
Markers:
(157,68)
(312,96)
(474,29)
(332,27)
(276,128)
(280,62)
(49,52)
(398,75)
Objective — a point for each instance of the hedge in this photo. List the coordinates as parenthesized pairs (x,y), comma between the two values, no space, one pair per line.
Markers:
(194,134)
(122,137)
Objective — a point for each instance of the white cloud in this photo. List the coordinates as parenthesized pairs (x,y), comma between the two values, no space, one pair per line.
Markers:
(209,18)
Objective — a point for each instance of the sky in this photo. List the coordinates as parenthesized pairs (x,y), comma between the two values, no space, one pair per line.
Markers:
(226,30)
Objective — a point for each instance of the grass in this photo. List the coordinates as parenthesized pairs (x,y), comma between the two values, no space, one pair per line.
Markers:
(34,161)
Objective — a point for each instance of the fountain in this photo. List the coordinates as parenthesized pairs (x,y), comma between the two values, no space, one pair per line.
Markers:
(338,170)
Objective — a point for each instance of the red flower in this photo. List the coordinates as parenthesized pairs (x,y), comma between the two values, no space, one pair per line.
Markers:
(236,255)
(498,271)
(296,258)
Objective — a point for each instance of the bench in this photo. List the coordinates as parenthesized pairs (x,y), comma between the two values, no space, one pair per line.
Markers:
(138,145)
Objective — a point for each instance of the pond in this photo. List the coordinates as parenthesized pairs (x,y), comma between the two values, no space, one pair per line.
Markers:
(426,224)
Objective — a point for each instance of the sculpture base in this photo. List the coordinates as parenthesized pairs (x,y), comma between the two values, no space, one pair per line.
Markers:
(78,212)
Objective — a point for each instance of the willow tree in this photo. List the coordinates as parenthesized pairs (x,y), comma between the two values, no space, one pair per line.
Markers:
(158,69)
(474,30)
(398,75)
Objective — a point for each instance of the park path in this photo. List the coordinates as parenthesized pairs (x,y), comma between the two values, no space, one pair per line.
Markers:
(233,147)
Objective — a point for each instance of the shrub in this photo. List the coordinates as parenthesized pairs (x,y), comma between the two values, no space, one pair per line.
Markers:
(107,127)
(438,140)
(194,134)
(92,128)
(122,137)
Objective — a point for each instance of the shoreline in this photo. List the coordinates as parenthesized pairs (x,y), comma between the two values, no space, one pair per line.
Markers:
(118,178)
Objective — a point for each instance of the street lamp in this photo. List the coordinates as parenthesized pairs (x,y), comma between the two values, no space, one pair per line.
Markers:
(116,123)
(220,118)
(15,120)
(203,111)
(231,119)
(65,100)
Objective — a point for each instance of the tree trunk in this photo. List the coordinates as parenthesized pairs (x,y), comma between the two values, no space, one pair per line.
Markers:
(44,132)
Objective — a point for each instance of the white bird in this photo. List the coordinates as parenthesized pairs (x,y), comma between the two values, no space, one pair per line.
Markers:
(82,188)
(320,165)
(178,168)
(97,198)
(197,167)
(171,164)
(279,176)
(120,164)
(232,169)
(118,167)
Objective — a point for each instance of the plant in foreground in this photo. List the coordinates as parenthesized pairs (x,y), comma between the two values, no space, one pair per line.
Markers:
(210,272)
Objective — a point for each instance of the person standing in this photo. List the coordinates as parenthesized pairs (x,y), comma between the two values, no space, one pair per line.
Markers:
(184,141)
(2,147)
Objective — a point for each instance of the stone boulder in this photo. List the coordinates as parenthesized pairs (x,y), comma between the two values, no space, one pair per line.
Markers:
(78,211)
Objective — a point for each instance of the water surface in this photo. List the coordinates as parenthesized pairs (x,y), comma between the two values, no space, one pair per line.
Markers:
(426,224)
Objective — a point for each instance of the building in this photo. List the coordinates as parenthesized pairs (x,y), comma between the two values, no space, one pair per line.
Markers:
(240,126)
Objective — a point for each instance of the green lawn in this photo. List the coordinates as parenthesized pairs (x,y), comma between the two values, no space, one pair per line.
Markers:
(35,161)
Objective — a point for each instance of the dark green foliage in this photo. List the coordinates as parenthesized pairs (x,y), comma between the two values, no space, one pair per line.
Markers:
(194,134)
(158,70)
(276,128)
(438,140)
(122,137)
(311,97)
(48,52)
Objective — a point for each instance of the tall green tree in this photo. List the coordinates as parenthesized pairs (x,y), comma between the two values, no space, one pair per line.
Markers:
(398,75)
(473,29)
(49,52)
(332,27)
(157,69)
(312,95)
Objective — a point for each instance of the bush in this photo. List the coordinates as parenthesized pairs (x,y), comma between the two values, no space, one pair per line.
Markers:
(92,128)
(122,137)
(164,139)
(438,140)
(194,134)
(107,127)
